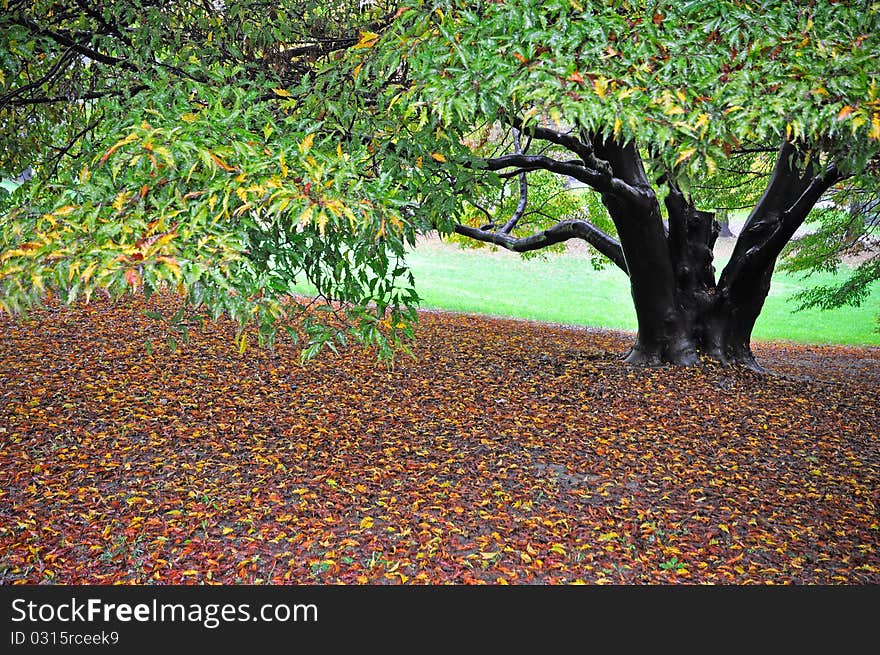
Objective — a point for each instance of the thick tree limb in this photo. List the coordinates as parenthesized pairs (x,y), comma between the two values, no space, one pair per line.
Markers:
(562,231)
(792,218)
(783,188)
(790,195)
(601,181)
(566,140)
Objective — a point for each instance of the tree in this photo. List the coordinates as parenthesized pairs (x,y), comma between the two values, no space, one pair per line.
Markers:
(301,140)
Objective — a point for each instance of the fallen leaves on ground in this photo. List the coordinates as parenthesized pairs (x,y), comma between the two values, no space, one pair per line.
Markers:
(508,452)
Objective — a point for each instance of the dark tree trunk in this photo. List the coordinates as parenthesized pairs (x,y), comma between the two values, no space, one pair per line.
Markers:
(682,313)
(662,335)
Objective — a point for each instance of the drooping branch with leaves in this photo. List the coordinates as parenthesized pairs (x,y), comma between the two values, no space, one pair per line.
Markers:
(232,150)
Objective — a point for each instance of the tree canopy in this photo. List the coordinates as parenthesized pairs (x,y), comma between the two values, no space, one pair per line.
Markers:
(233,149)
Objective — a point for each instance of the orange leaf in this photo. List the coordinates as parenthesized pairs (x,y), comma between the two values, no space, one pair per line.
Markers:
(845,112)
(133,278)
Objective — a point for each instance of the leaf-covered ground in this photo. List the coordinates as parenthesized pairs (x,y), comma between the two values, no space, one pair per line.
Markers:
(509,452)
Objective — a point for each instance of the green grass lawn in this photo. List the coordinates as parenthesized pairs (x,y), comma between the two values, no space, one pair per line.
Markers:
(566,289)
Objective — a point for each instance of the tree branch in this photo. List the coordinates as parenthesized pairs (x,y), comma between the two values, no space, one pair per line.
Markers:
(64,150)
(599,180)
(70,43)
(7,98)
(108,27)
(523,191)
(92,95)
(792,218)
(566,140)
(562,231)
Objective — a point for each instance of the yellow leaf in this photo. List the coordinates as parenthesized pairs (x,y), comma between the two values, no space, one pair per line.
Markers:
(9,254)
(120,200)
(525,558)
(226,531)
(617,125)
(436,156)
(367,522)
(723,527)
(64,211)
(558,548)
(174,512)
(490,555)
(367,40)
(608,536)
(306,216)
(875,127)
(189,117)
(600,86)
(242,343)
(284,93)
(190,572)
(171,264)
(687,153)
(306,144)
(87,274)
